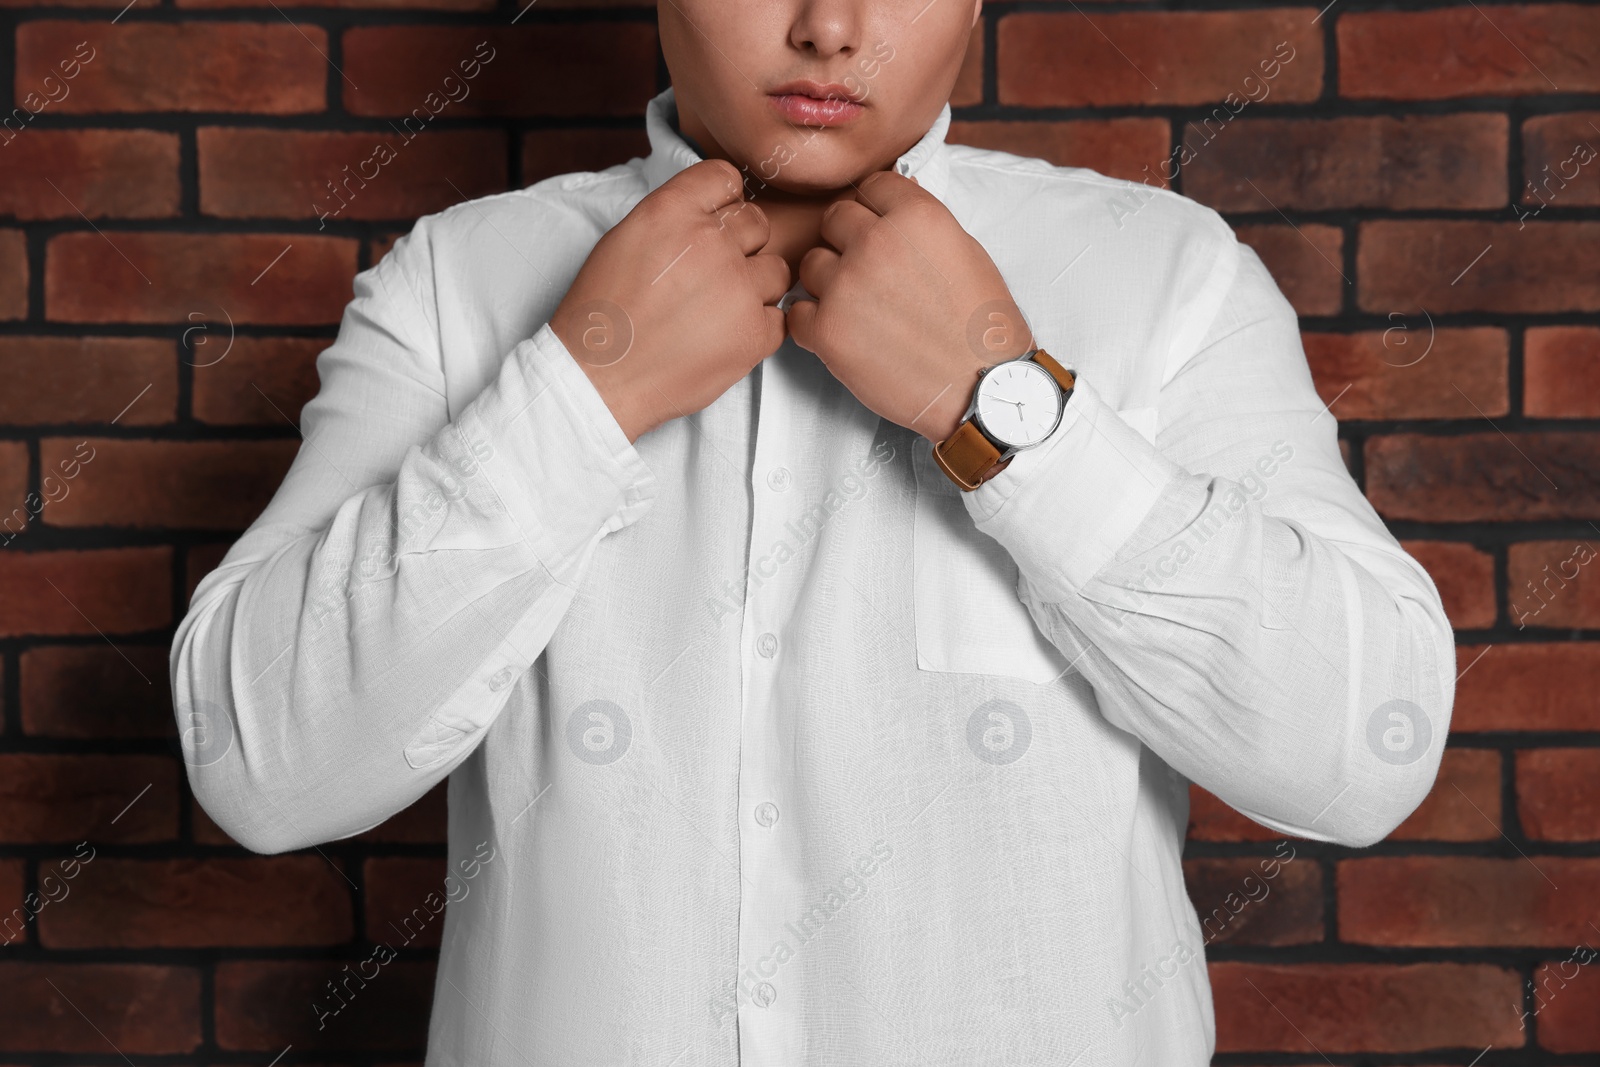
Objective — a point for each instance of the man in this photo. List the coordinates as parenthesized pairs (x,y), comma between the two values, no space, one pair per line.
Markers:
(773,737)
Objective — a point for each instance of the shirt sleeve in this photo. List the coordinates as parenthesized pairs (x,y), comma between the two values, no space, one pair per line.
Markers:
(360,637)
(1232,597)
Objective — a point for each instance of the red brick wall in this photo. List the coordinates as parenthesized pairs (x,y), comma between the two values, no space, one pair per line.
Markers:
(172,177)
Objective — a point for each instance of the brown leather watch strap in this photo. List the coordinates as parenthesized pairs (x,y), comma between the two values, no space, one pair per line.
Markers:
(969,458)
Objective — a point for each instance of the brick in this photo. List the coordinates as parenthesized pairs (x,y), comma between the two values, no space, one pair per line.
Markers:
(102,173)
(16,511)
(1307,262)
(1476,50)
(47,799)
(1211,819)
(968,89)
(1443,266)
(13,927)
(132,66)
(296,174)
(211,485)
(1464,803)
(546,70)
(92,691)
(200,561)
(101,591)
(1412,372)
(1131,148)
(1560,158)
(1188,57)
(55,380)
(275,279)
(1364,1007)
(547,153)
(1377,161)
(1484,476)
(1565,1001)
(1464,577)
(1554,583)
(424,822)
(1544,686)
(1455,901)
(215,902)
(1268,900)
(82,1007)
(406,898)
(379,246)
(1558,793)
(263,1005)
(13,275)
(263,381)
(1561,372)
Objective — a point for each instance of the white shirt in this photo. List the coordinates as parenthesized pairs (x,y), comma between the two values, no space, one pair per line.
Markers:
(766,744)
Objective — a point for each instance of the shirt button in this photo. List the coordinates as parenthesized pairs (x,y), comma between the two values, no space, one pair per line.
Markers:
(765,994)
(501,679)
(778,479)
(767,645)
(766,813)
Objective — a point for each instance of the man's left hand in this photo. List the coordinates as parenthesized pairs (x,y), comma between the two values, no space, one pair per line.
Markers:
(909,307)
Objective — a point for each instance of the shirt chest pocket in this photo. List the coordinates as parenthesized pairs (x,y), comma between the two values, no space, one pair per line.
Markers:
(969,618)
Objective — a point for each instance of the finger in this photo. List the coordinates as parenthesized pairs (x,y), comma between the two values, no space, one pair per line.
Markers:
(803,322)
(884,190)
(817,270)
(771,275)
(709,185)
(777,324)
(844,221)
(746,224)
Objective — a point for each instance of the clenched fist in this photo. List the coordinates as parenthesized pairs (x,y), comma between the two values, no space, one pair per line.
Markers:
(909,307)
(676,302)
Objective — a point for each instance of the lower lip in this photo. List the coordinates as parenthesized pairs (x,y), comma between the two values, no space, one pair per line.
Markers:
(809,111)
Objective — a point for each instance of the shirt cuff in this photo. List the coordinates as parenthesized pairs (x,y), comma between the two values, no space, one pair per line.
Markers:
(1064,508)
(558,459)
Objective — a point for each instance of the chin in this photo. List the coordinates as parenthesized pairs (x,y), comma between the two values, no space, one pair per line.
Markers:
(813,173)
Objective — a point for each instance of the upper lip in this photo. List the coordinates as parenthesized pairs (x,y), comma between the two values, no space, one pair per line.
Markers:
(818,90)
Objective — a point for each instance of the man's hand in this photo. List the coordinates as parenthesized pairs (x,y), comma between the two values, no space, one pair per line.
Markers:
(676,302)
(909,306)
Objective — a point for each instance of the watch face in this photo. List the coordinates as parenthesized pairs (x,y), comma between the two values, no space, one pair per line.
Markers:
(1018,403)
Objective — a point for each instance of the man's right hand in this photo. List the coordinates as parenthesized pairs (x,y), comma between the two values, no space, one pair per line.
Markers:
(676,302)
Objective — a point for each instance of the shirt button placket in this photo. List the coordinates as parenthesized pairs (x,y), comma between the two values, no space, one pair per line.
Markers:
(769,890)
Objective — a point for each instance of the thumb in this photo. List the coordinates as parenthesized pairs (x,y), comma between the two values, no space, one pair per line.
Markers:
(802,323)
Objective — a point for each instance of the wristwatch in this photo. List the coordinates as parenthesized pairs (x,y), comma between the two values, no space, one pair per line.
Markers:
(1015,405)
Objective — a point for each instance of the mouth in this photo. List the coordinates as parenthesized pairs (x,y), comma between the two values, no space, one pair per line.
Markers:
(809,103)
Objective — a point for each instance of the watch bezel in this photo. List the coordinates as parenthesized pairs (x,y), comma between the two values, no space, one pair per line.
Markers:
(1007,447)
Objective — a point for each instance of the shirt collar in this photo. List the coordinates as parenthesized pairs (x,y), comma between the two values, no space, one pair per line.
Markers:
(670,153)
